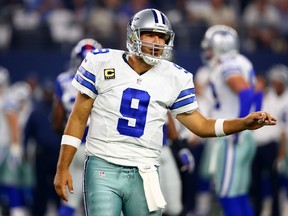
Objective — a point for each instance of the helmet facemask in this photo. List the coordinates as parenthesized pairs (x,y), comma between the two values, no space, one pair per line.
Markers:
(137,26)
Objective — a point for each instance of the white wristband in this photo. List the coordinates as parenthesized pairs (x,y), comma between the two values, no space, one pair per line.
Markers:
(71,140)
(219,132)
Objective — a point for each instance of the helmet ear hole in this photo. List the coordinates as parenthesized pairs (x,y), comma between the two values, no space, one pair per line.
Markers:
(149,20)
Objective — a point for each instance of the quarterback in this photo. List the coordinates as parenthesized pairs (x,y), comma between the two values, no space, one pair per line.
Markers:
(127,95)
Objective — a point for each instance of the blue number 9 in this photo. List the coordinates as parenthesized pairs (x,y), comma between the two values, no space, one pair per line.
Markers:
(134,105)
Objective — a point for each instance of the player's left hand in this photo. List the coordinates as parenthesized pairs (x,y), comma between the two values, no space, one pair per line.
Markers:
(257,120)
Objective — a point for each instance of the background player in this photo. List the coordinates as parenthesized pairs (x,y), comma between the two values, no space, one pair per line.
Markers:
(63,104)
(15,107)
(232,81)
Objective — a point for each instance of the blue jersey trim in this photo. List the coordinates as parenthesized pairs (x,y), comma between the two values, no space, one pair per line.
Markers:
(85,83)
(182,102)
(87,74)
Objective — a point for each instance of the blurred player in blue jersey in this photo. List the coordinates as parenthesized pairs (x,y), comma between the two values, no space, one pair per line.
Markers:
(62,107)
(127,95)
(232,81)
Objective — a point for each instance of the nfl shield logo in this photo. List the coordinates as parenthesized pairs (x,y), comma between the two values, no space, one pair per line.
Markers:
(101,174)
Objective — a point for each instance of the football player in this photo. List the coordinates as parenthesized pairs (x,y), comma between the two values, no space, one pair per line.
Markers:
(127,95)
(232,81)
(14,109)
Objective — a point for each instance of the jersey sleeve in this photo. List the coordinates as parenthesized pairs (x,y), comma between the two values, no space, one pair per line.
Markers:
(186,101)
(85,78)
(230,70)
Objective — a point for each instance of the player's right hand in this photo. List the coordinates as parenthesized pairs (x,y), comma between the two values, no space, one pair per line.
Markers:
(257,120)
(62,180)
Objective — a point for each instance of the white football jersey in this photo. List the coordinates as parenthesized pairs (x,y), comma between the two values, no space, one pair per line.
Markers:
(4,129)
(226,102)
(129,111)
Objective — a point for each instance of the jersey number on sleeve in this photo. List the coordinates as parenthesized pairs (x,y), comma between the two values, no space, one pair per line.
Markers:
(134,106)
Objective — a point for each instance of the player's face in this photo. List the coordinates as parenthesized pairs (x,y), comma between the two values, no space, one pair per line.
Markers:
(208,54)
(152,43)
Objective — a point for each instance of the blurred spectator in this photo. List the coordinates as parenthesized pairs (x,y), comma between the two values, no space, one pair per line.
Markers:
(261,22)
(127,10)
(101,22)
(189,29)
(282,6)
(5,32)
(213,12)
(65,30)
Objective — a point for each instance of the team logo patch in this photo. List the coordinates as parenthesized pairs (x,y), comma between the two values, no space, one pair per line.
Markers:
(109,73)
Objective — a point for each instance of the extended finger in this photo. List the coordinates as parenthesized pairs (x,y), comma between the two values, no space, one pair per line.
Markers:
(270,119)
(63,194)
(70,186)
(61,190)
(262,118)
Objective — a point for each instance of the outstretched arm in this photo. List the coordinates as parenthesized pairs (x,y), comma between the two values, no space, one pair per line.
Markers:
(204,127)
(74,130)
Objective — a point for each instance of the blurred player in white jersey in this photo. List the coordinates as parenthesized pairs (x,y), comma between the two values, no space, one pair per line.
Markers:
(62,107)
(4,129)
(15,107)
(127,95)
(232,81)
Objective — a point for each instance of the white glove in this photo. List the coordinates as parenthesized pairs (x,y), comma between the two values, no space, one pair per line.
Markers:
(15,155)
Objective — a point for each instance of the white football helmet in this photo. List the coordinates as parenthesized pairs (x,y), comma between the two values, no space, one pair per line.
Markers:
(278,72)
(222,40)
(149,20)
(81,49)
